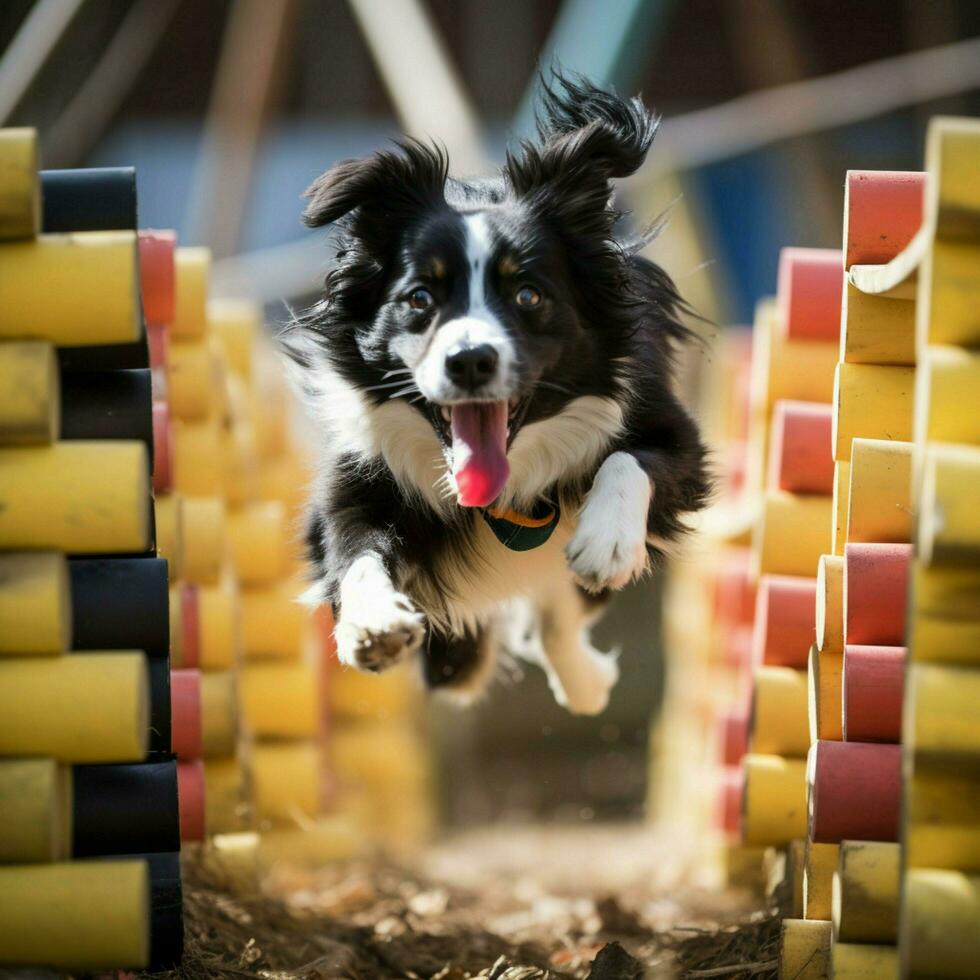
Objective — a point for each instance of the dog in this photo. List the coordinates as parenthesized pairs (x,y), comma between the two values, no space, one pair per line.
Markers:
(491,373)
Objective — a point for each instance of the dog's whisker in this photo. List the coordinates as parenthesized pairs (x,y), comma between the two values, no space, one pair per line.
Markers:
(400,383)
(394,371)
(405,391)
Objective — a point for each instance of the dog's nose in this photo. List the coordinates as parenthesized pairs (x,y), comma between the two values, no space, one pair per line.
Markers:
(471,367)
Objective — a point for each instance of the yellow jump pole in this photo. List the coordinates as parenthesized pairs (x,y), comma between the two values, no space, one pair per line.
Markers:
(30,393)
(941,719)
(948,528)
(85,915)
(219,714)
(20,184)
(939,934)
(192,268)
(220,626)
(235,324)
(840,502)
(865,892)
(779,712)
(825,696)
(871,401)
(944,622)
(79,497)
(203,539)
(197,457)
(774,804)
(830,604)
(287,781)
(818,877)
(792,533)
(95,301)
(947,381)
(942,820)
(281,700)
(191,380)
(35,604)
(861,961)
(91,707)
(35,810)
(880,498)
(274,624)
(225,793)
(168,511)
(804,949)
(876,329)
(257,536)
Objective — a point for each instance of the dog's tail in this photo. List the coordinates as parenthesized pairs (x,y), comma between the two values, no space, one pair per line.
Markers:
(572,102)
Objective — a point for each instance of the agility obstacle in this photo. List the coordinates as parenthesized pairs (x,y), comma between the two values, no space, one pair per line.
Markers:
(842,738)
(161,689)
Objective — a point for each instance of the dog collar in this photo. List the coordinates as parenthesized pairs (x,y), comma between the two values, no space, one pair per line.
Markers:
(522,532)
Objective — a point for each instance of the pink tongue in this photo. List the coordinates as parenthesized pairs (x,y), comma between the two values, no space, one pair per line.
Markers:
(480,451)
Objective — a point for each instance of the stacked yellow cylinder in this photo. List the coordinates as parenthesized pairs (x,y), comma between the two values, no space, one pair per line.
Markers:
(854,682)
(379,756)
(192,527)
(696,750)
(848,884)
(939,933)
(241,475)
(788,484)
(792,531)
(56,498)
(281,684)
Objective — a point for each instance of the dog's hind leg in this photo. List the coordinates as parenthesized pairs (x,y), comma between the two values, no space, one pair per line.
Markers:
(580,676)
(459,666)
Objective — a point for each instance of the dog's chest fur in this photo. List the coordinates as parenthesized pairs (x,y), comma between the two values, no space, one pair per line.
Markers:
(461,587)
(469,588)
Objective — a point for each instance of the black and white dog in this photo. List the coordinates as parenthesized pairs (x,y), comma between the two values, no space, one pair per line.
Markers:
(491,367)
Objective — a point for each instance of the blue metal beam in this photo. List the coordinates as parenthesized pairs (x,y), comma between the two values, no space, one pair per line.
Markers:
(605,40)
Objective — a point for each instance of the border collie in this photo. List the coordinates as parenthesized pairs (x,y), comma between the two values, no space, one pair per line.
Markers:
(491,367)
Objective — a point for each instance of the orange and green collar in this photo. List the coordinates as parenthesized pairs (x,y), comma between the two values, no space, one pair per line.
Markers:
(522,532)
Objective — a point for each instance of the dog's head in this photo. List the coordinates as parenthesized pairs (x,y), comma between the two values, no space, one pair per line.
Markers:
(485,305)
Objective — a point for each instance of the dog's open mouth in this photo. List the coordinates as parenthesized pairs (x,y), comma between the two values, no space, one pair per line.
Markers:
(477,436)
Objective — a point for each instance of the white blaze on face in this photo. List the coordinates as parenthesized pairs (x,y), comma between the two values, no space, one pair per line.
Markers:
(477,420)
(477,326)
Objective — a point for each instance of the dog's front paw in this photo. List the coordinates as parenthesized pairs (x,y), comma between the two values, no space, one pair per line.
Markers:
(379,633)
(609,546)
(605,552)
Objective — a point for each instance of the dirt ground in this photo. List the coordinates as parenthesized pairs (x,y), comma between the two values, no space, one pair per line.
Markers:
(606,903)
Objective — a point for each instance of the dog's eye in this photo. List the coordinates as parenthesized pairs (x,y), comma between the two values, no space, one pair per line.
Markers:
(420,299)
(528,297)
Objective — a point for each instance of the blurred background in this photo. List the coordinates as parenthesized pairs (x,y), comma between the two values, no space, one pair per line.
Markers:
(229,108)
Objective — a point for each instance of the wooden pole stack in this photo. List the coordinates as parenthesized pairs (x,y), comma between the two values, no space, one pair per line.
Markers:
(159,683)
(855,715)
(93,806)
(939,921)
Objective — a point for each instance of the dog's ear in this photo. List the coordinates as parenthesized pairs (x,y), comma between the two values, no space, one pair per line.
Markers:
(392,184)
(587,137)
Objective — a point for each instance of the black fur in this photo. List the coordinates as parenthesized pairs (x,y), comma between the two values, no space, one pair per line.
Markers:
(604,306)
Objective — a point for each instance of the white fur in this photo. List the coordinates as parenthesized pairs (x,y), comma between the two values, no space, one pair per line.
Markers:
(392,432)
(560,448)
(609,545)
(478,326)
(378,626)
(580,677)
